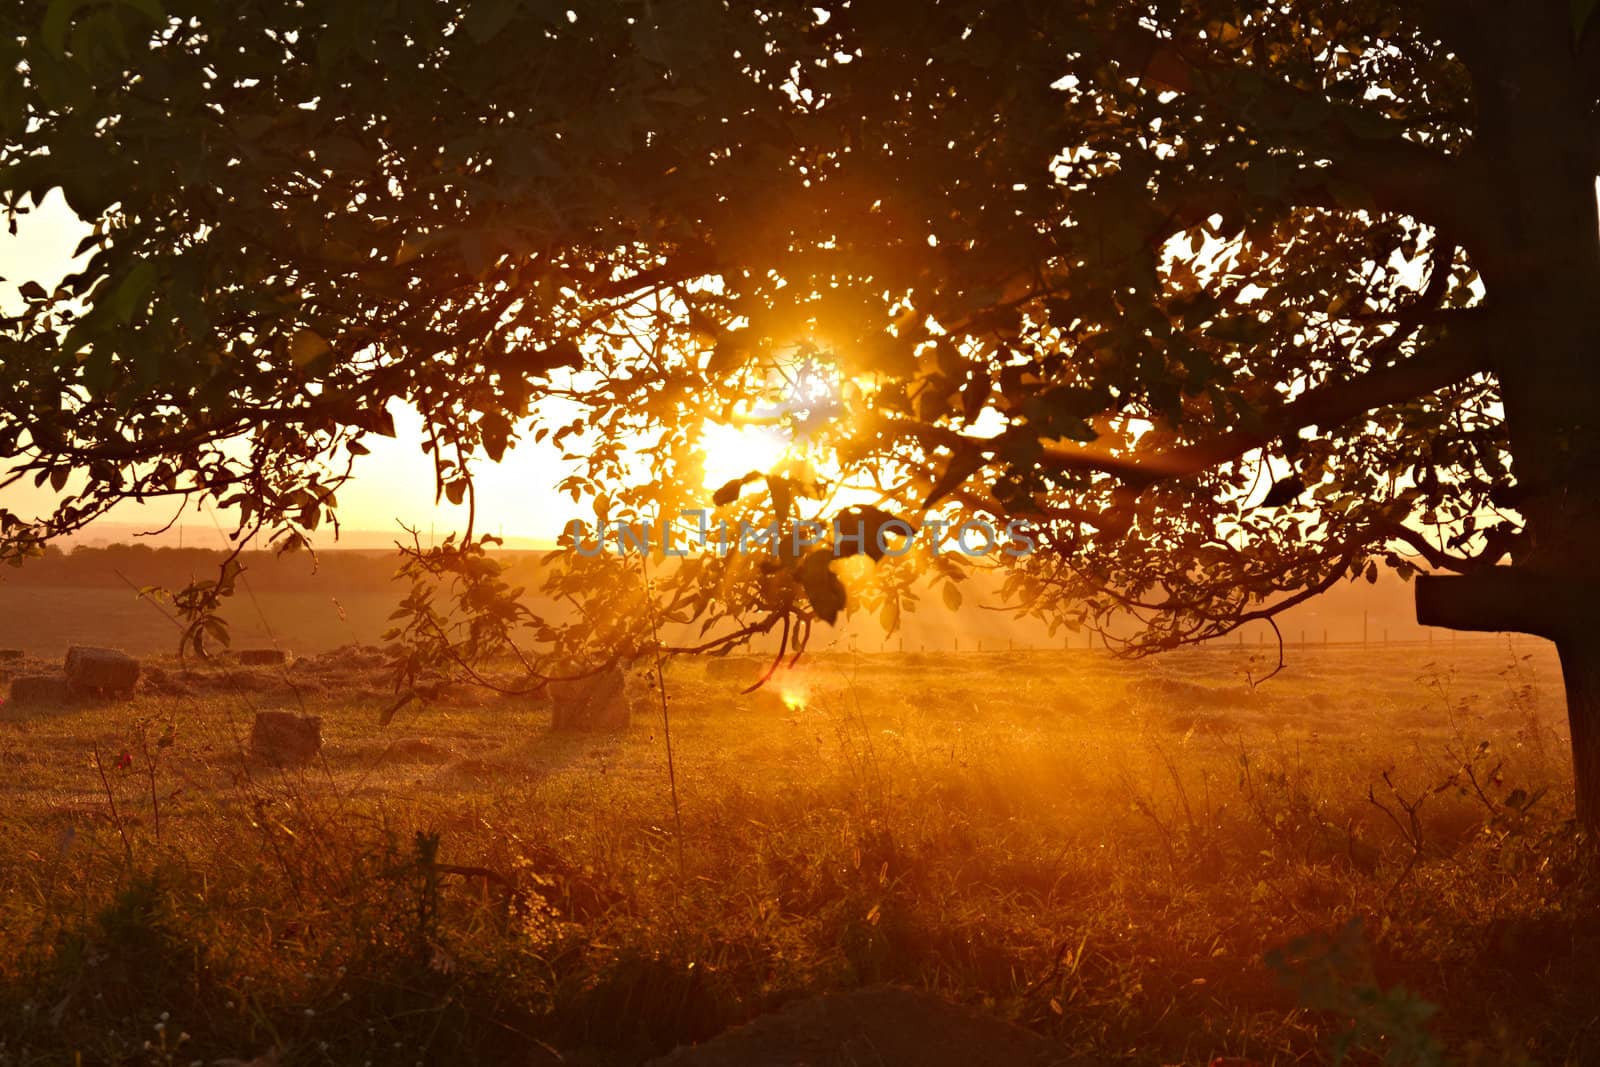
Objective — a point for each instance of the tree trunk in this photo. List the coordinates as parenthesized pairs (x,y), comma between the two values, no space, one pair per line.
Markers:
(1541,271)
(1580,670)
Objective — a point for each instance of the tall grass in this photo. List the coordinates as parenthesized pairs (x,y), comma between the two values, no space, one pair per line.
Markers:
(1116,871)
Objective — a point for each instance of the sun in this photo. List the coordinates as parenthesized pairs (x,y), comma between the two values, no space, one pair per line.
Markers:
(798,396)
(731,451)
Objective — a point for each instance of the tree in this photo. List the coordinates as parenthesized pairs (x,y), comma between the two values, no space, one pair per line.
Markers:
(1238,301)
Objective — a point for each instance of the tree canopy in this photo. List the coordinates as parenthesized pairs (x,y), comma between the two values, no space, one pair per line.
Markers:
(1235,300)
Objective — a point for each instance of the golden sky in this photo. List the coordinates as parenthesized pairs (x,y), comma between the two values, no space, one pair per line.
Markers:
(394,483)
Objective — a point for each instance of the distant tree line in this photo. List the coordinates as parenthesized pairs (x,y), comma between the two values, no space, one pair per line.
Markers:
(143,565)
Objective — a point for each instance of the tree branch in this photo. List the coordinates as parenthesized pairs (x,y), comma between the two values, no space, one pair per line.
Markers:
(1496,546)
(691,264)
(1436,557)
(1509,600)
(1445,362)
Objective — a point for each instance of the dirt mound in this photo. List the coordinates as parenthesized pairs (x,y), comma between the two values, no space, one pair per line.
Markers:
(1166,692)
(159,681)
(884,1026)
(734,668)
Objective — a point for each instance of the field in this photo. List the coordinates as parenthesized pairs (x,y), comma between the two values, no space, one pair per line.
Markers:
(47,621)
(1148,863)
(91,596)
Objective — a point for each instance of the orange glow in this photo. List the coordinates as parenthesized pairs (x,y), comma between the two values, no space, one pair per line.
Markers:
(733,451)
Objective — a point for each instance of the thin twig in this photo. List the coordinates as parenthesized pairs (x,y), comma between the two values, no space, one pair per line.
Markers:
(1253,682)
(666,719)
(777,661)
(111,799)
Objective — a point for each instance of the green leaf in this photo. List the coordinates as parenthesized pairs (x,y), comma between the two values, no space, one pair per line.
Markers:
(132,293)
(728,492)
(379,421)
(973,396)
(216,628)
(1284,491)
(86,194)
(76,339)
(495,430)
(866,525)
(782,496)
(306,346)
(952,596)
(823,588)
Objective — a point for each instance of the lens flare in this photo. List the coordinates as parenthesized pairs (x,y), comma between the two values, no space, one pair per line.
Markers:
(733,451)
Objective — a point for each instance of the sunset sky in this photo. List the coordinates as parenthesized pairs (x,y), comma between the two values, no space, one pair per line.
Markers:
(394,482)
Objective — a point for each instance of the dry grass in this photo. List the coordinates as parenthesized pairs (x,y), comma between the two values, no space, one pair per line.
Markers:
(1119,856)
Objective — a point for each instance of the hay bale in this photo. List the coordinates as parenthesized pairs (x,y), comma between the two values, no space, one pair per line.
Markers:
(263,657)
(286,739)
(39,690)
(738,667)
(601,701)
(102,673)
